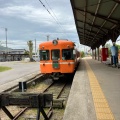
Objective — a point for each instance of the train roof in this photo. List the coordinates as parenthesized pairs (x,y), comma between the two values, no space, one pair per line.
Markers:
(61,41)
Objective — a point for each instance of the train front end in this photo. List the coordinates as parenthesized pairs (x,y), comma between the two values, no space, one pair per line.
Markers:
(57,58)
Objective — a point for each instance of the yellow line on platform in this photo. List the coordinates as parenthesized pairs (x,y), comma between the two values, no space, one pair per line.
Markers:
(103,111)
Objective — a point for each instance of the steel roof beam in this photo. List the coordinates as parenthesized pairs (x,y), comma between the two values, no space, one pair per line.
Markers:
(111,12)
(117,1)
(85,34)
(100,16)
(108,19)
(86,37)
(91,36)
(96,11)
(90,31)
(93,32)
(96,26)
(85,16)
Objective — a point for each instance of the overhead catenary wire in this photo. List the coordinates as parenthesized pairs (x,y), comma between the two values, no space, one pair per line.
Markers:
(52,11)
(55,18)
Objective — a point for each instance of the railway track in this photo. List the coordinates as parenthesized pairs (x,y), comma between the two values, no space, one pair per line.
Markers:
(28,81)
(58,90)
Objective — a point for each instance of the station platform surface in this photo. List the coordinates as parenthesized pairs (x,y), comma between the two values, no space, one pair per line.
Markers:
(95,92)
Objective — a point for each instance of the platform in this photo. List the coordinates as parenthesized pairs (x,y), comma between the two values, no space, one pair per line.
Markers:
(95,92)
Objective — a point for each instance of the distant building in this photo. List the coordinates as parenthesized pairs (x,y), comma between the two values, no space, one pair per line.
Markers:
(12,54)
(4,50)
(17,51)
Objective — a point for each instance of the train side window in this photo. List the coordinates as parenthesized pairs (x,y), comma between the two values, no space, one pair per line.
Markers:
(74,52)
(55,54)
(67,54)
(44,55)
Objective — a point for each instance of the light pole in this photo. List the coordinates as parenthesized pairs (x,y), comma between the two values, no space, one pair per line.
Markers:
(6,36)
(47,37)
(35,49)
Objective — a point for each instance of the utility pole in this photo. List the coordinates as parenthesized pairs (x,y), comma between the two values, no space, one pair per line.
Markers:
(6,39)
(35,49)
(35,46)
(6,36)
(47,37)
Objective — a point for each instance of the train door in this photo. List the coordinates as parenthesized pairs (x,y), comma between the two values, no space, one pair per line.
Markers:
(55,58)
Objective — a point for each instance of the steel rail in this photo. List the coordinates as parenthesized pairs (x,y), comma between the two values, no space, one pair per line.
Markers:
(61,91)
(19,114)
(49,111)
(22,111)
(48,87)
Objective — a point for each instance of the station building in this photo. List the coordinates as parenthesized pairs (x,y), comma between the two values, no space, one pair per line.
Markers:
(12,54)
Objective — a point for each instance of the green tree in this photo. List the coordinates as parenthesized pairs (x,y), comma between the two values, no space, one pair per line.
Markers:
(118,46)
(82,54)
(26,52)
(30,45)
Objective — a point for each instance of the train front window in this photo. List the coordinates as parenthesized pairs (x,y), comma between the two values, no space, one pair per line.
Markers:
(55,54)
(67,54)
(44,55)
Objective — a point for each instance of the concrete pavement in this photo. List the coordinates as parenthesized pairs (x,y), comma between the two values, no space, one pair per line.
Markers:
(81,106)
(20,72)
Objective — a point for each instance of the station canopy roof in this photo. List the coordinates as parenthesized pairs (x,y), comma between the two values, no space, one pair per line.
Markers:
(96,20)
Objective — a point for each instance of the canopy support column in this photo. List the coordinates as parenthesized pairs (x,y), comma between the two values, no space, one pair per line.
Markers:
(98,53)
(95,54)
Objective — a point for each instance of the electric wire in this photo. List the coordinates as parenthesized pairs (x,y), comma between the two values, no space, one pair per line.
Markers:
(55,18)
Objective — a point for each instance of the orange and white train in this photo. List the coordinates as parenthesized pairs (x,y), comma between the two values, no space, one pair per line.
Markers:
(58,58)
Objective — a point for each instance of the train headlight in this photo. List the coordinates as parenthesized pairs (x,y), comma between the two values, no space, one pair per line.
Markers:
(42,47)
(68,46)
(55,42)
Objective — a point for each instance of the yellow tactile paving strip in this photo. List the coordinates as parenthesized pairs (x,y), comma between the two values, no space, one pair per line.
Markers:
(103,111)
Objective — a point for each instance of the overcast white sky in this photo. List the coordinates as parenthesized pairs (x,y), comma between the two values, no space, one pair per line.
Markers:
(29,20)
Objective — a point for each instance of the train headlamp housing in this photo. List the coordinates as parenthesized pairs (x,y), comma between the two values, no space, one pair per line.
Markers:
(55,42)
(42,47)
(68,46)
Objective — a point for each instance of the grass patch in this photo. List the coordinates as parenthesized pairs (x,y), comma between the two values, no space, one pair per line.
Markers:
(3,68)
